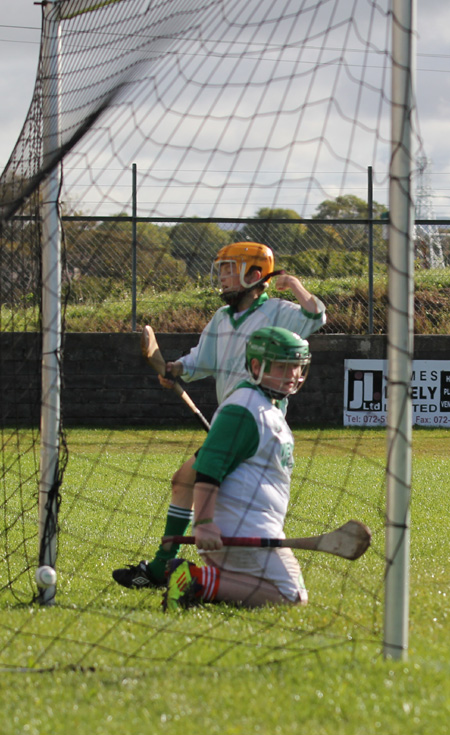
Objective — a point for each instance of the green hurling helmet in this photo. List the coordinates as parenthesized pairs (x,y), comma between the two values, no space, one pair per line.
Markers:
(276,344)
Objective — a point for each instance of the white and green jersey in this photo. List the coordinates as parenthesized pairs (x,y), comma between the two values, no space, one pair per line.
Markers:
(249,452)
(220,352)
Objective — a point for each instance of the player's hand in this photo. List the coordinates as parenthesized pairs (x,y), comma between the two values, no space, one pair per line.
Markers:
(173,370)
(285,282)
(166,382)
(208,537)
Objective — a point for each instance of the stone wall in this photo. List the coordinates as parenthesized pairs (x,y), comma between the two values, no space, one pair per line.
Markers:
(107,381)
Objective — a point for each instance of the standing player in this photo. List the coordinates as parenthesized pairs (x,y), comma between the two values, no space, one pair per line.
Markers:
(242,486)
(243,270)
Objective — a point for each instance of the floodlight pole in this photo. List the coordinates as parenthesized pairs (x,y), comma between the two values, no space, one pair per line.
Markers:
(51,304)
(400,332)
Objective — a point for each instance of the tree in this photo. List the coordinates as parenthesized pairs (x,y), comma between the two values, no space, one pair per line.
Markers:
(351,238)
(197,243)
(284,239)
(19,246)
(348,206)
(156,265)
(98,248)
(99,257)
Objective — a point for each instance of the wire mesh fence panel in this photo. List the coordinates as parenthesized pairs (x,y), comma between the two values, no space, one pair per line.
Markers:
(336,260)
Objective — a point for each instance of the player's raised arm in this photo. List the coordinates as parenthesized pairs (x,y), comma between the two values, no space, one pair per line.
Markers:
(306,299)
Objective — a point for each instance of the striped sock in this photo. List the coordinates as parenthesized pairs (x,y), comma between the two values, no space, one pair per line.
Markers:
(208,578)
(177,518)
(177,523)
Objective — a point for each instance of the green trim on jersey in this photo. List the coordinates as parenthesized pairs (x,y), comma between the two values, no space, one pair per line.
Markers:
(310,314)
(232,439)
(231,310)
(256,304)
(280,403)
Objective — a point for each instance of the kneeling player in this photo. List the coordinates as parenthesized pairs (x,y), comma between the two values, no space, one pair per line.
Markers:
(243,484)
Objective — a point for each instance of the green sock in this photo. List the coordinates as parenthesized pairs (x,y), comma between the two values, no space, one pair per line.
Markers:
(177,523)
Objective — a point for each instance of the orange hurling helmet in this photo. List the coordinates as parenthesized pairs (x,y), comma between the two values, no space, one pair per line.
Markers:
(246,255)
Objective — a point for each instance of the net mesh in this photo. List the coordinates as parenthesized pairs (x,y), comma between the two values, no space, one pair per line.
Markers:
(228,108)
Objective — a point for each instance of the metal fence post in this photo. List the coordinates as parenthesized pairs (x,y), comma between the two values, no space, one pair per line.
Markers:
(370,236)
(133,248)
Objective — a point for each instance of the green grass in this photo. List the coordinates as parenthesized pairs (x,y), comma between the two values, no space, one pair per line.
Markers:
(105,660)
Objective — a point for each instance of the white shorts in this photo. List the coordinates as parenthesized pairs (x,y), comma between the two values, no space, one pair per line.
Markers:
(278,566)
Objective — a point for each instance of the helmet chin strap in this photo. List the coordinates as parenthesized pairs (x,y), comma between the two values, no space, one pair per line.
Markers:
(244,284)
(257,380)
(278,395)
(271,392)
(232,298)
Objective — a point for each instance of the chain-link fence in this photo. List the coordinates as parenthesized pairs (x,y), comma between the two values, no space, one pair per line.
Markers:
(121,273)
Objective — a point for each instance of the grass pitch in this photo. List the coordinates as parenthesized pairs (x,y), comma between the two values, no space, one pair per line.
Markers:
(105,660)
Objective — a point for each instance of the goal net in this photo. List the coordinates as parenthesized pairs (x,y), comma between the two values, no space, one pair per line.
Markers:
(232,111)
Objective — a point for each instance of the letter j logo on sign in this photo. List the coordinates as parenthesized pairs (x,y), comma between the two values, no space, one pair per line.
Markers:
(365,390)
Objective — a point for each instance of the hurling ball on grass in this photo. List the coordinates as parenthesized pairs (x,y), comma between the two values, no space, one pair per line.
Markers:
(45,576)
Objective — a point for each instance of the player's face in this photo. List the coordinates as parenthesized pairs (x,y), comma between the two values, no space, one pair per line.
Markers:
(283,377)
(229,277)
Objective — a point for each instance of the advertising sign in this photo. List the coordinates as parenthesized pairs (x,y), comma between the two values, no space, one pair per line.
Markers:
(365,393)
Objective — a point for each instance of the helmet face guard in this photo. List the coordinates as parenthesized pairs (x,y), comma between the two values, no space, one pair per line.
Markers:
(276,344)
(243,256)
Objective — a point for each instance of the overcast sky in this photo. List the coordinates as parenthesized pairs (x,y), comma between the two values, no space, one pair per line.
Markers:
(19,49)
(20,23)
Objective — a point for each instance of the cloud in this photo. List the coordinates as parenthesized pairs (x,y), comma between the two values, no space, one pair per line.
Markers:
(327,140)
(19,54)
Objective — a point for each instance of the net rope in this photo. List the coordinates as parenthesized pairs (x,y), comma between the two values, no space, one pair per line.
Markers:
(228,107)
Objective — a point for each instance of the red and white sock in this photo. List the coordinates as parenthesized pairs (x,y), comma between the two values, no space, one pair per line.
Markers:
(208,578)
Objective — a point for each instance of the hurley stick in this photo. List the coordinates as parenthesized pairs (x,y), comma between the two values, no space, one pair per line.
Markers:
(152,353)
(350,541)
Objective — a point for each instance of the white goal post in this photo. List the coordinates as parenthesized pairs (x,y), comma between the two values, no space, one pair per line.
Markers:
(400,332)
(51,312)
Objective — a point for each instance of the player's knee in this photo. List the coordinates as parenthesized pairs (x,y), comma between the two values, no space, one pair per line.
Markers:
(183,478)
(183,487)
(183,483)
(302,598)
(294,595)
